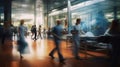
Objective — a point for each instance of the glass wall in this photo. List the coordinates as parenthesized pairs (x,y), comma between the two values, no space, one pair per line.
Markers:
(96,15)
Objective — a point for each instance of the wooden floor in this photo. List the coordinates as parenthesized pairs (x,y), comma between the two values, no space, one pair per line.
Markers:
(38,56)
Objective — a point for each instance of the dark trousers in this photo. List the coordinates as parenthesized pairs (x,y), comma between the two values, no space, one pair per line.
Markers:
(57,48)
(35,33)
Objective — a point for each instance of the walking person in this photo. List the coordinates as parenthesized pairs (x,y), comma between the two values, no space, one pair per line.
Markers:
(22,44)
(39,32)
(76,38)
(35,32)
(57,32)
(44,33)
(48,33)
(32,31)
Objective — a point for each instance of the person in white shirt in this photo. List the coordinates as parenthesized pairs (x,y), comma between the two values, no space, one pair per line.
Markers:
(76,38)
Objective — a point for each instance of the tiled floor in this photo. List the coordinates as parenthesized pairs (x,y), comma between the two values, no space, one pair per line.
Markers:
(38,56)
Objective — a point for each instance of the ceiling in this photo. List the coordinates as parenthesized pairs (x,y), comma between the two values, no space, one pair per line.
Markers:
(23,6)
(107,6)
(58,4)
(28,6)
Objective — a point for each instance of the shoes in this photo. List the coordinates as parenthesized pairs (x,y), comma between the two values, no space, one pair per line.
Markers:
(51,56)
(21,57)
(62,61)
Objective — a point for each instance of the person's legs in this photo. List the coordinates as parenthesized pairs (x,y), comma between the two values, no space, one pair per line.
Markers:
(52,52)
(35,36)
(21,56)
(59,52)
(76,48)
(40,36)
(61,59)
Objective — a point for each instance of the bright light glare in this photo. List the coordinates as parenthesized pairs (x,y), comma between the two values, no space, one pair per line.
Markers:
(86,3)
(26,16)
(55,13)
(109,15)
(80,5)
(41,49)
(23,16)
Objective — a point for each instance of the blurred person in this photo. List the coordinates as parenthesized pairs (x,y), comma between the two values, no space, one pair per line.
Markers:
(22,44)
(44,33)
(6,31)
(39,31)
(48,32)
(76,38)
(15,31)
(32,30)
(57,32)
(35,32)
(26,31)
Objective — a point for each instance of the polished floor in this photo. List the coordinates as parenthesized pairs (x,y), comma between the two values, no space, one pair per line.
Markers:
(38,56)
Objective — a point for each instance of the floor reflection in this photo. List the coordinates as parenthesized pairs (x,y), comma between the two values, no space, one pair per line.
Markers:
(38,56)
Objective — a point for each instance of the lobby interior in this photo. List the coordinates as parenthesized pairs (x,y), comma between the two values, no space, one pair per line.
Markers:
(96,17)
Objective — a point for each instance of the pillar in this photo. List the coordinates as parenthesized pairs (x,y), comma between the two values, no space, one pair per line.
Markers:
(7,10)
(69,15)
